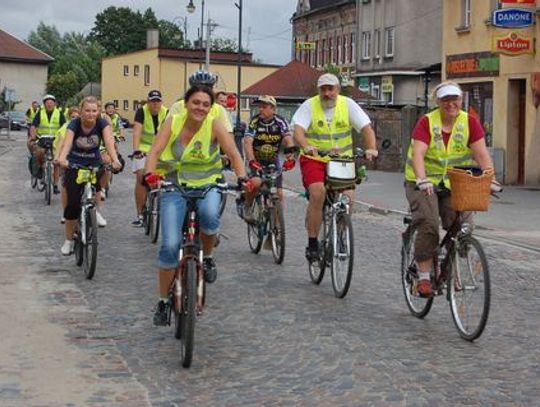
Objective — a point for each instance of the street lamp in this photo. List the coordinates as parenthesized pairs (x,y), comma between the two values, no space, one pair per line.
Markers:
(238,131)
(191,9)
(183,21)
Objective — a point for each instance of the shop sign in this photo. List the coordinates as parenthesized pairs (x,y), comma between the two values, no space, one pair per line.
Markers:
(472,65)
(513,18)
(363,84)
(386,84)
(305,45)
(513,44)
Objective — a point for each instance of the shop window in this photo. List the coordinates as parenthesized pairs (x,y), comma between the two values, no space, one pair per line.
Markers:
(388,97)
(375,91)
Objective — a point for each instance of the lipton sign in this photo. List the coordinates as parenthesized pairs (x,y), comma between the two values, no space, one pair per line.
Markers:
(513,44)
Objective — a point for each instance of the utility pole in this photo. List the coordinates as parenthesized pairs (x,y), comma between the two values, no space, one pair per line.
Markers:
(239,134)
(210,27)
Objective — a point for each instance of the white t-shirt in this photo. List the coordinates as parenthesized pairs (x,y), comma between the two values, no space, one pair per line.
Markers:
(357,117)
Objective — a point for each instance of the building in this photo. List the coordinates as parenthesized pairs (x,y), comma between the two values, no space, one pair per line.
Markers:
(324,32)
(23,68)
(399,49)
(499,70)
(126,79)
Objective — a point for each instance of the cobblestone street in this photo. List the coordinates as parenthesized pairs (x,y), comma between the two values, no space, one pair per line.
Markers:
(269,337)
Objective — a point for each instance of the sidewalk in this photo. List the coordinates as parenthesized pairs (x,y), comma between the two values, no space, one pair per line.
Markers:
(514,218)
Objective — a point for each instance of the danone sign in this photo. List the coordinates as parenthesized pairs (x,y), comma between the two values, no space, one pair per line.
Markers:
(513,18)
(513,44)
(472,65)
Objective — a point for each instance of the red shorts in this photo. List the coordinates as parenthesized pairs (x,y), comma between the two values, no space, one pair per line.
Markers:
(312,171)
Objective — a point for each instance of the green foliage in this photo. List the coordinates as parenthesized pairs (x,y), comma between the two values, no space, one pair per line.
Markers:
(333,69)
(224,44)
(63,86)
(170,35)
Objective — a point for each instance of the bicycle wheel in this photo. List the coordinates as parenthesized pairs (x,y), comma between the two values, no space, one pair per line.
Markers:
(255,229)
(147,213)
(277,232)
(419,306)
(469,288)
(317,268)
(47,178)
(222,204)
(41,181)
(78,250)
(342,260)
(154,219)
(187,314)
(90,248)
(33,178)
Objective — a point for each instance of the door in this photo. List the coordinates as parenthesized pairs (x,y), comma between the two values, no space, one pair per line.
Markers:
(515,141)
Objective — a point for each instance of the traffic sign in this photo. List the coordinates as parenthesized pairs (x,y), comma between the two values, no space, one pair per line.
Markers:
(513,18)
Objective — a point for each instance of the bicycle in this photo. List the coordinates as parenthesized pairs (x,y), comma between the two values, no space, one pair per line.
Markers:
(336,239)
(460,267)
(268,213)
(151,214)
(46,183)
(85,238)
(188,289)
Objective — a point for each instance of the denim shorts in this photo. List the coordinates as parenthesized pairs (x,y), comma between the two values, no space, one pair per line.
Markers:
(173,210)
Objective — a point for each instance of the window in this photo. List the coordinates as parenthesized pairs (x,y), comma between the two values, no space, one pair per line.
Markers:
(466,13)
(126,70)
(339,51)
(345,49)
(136,70)
(126,104)
(352,44)
(115,101)
(330,51)
(316,54)
(319,53)
(366,43)
(375,91)
(389,36)
(146,75)
(377,43)
(244,103)
(388,97)
(323,60)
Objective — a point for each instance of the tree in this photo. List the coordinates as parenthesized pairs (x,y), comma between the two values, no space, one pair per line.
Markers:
(224,45)
(170,35)
(333,69)
(63,86)
(46,38)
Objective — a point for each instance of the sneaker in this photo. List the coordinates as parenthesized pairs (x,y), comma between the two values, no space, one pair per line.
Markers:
(424,288)
(56,191)
(161,315)
(138,223)
(100,220)
(62,220)
(312,254)
(67,247)
(210,270)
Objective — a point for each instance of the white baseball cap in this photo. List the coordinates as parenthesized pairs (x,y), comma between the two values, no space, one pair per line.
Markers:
(327,79)
(448,90)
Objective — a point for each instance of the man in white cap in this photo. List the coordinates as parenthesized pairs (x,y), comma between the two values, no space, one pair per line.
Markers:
(324,123)
(444,138)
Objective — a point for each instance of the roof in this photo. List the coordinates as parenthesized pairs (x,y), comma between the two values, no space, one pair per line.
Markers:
(316,6)
(13,49)
(295,80)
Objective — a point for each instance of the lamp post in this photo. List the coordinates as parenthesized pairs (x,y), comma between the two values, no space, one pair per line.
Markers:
(191,9)
(183,21)
(238,131)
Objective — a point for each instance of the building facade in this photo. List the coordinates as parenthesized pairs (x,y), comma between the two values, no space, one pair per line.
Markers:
(399,49)
(324,33)
(127,79)
(23,69)
(498,67)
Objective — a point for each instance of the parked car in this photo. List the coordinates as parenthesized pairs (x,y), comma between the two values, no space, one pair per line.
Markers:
(18,120)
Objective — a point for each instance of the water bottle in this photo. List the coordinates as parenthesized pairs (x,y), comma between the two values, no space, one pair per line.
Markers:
(360,173)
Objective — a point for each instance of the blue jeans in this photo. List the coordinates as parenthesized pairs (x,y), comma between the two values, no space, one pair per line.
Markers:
(173,208)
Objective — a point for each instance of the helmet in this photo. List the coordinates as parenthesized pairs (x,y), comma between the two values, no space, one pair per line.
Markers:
(48,97)
(109,104)
(202,78)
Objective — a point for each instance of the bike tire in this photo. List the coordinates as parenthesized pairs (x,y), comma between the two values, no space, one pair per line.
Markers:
(418,306)
(90,248)
(47,175)
(154,220)
(78,250)
(222,204)
(254,230)
(147,214)
(277,232)
(316,269)
(469,274)
(341,271)
(188,314)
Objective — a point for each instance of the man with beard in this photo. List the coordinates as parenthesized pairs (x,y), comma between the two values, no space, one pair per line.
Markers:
(324,123)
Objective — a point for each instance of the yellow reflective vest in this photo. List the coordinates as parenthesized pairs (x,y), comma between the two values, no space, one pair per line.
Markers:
(148,133)
(46,126)
(439,157)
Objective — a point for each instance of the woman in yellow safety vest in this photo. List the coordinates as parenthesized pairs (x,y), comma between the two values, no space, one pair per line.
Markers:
(188,146)
(444,138)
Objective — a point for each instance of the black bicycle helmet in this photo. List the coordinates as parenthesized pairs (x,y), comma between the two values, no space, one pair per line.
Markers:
(202,78)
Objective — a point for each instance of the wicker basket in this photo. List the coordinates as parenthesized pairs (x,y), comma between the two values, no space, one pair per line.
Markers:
(470,192)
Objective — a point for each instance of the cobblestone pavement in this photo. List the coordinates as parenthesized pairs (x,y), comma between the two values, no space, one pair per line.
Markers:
(269,337)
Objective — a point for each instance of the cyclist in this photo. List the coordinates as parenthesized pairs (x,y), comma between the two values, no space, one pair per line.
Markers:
(325,122)
(46,122)
(444,138)
(188,143)
(266,132)
(118,133)
(148,120)
(31,113)
(81,146)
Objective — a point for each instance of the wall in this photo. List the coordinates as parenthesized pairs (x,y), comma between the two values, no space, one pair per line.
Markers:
(28,80)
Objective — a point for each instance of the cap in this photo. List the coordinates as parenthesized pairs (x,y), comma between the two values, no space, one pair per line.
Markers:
(109,104)
(327,79)
(154,95)
(448,90)
(267,99)
(48,97)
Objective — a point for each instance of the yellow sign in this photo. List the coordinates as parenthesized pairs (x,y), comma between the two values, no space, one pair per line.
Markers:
(386,84)
(513,44)
(305,45)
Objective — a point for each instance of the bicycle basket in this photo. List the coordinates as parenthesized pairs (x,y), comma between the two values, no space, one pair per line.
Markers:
(341,174)
(470,192)
(84,176)
(45,142)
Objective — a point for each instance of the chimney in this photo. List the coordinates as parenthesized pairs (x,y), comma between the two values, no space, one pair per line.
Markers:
(152,38)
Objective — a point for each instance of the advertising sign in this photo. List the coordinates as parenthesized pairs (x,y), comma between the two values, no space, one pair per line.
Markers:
(472,65)
(513,44)
(513,18)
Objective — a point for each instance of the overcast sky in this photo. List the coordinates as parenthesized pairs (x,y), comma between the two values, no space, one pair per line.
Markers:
(266,27)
